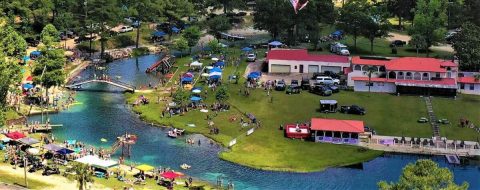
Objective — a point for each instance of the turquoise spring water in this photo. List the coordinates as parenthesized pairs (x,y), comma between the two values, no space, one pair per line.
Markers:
(104,115)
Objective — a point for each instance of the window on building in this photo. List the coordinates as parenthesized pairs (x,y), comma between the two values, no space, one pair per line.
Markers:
(437,75)
(472,86)
(295,67)
(462,86)
(357,68)
(381,84)
(369,84)
(425,76)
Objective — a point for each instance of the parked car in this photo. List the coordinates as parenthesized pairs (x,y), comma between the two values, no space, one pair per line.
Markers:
(339,49)
(327,80)
(305,84)
(293,90)
(320,90)
(353,109)
(333,88)
(126,29)
(251,57)
(398,43)
(294,83)
(32,41)
(280,86)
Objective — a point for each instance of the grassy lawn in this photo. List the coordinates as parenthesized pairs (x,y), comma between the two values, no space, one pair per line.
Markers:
(465,106)
(12,179)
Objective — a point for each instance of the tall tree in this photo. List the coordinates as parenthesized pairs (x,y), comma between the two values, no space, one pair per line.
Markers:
(12,48)
(83,175)
(227,5)
(106,13)
(403,9)
(471,8)
(49,36)
(49,68)
(430,21)
(377,25)
(467,47)
(218,24)
(424,174)
(353,18)
(143,11)
(180,44)
(418,42)
(192,35)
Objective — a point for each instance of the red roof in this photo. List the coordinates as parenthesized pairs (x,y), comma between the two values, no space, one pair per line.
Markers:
(443,81)
(352,126)
(416,64)
(469,80)
(375,62)
(302,55)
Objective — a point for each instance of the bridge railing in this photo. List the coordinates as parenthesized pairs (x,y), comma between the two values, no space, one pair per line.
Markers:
(73,83)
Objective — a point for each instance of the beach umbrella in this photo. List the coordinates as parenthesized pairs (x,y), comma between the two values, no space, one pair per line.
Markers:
(145,167)
(215,59)
(15,135)
(6,139)
(189,75)
(195,98)
(205,75)
(33,151)
(26,59)
(196,64)
(196,91)
(275,43)
(171,174)
(247,49)
(64,151)
(52,147)
(29,141)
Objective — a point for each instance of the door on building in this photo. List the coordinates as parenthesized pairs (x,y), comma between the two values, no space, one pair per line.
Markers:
(301,69)
(332,69)
(313,69)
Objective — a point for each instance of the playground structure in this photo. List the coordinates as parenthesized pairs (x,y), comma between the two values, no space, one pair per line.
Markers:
(125,86)
(163,66)
(124,142)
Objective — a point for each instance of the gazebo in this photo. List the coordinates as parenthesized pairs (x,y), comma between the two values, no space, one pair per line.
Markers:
(337,131)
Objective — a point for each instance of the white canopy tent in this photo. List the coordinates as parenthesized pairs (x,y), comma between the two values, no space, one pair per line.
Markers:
(95,161)
(196,64)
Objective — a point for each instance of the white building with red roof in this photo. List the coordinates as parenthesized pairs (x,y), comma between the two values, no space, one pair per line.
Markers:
(300,61)
(337,131)
(468,85)
(407,75)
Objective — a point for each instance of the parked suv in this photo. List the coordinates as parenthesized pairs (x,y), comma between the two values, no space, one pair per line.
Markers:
(320,90)
(251,57)
(305,84)
(280,85)
(327,80)
(354,109)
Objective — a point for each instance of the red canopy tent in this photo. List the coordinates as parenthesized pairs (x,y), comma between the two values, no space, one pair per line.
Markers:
(171,174)
(29,78)
(15,135)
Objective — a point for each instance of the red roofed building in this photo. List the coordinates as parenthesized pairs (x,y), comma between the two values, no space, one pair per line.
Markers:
(407,75)
(300,61)
(468,85)
(336,131)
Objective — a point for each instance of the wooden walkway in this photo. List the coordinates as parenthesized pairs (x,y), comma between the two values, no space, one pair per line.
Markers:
(38,128)
(433,118)
(119,84)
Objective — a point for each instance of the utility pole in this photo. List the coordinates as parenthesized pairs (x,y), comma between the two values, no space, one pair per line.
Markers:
(25,164)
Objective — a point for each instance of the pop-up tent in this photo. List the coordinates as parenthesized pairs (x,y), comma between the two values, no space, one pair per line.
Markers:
(219,64)
(196,64)
(254,75)
(15,135)
(97,162)
(52,147)
(275,43)
(64,151)
(29,141)
(247,49)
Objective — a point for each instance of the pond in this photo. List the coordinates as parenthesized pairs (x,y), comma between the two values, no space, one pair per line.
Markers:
(105,115)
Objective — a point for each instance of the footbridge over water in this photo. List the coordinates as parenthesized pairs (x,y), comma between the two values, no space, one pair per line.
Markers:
(122,85)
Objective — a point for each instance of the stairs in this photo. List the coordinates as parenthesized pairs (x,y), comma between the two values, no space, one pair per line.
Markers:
(432,118)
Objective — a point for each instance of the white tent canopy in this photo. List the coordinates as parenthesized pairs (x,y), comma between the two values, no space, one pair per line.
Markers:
(215,73)
(95,161)
(196,64)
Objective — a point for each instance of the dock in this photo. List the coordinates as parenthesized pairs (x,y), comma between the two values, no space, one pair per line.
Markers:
(38,128)
(452,159)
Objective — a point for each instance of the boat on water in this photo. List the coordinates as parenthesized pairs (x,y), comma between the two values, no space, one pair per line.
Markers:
(185,166)
(174,133)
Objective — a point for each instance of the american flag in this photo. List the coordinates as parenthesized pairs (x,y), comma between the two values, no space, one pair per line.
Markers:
(298,4)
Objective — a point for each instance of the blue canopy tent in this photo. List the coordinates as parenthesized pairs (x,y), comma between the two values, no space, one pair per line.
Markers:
(35,54)
(247,49)
(65,151)
(215,77)
(175,29)
(215,69)
(27,86)
(187,79)
(195,98)
(337,33)
(254,75)
(219,64)
(158,34)
(275,43)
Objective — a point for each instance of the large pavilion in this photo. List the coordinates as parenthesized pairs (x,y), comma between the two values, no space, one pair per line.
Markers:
(336,131)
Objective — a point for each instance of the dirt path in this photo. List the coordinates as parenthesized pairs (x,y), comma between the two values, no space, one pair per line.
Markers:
(54,181)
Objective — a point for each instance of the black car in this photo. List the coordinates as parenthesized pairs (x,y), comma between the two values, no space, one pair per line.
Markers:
(294,83)
(320,90)
(333,88)
(293,90)
(32,41)
(305,84)
(280,86)
(354,109)
(398,43)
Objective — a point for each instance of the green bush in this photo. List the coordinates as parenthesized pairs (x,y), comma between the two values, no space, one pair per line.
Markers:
(121,41)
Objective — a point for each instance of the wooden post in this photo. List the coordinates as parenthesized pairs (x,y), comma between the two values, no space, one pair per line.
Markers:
(25,164)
